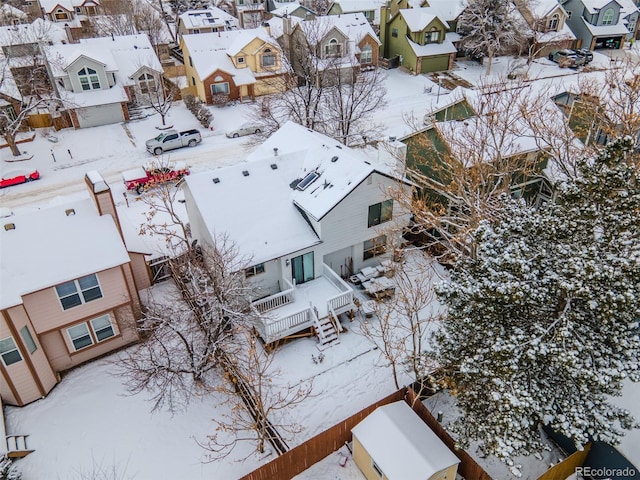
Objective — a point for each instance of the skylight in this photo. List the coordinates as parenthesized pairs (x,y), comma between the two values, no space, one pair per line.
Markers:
(308,180)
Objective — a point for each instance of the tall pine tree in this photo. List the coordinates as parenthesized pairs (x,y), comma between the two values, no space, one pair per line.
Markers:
(543,320)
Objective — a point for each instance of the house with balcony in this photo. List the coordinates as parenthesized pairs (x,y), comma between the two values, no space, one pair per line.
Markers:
(599,23)
(306,212)
(99,78)
(68,291)
(210,20)
(331,46)
(547,20)
(232,65)
(418,39)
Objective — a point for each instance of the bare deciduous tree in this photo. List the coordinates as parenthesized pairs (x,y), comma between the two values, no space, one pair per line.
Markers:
(183,333)
(258,399)
(401,325)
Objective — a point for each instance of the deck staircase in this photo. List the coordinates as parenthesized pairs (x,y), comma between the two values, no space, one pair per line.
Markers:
(17,446)
(326,332)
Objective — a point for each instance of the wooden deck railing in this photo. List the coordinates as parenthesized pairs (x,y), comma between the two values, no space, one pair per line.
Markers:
(277,300)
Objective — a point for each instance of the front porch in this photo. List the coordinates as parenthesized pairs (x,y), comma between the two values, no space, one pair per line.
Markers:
(299,307)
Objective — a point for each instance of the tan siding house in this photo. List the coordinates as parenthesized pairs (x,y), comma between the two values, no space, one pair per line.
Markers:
(67,292)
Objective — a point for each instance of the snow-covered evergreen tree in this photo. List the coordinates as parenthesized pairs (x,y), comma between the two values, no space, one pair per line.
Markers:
(8,470)
(543,319)
(490,28)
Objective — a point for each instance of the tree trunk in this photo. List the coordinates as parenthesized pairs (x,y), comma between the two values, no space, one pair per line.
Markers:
(489,62)
(11,141)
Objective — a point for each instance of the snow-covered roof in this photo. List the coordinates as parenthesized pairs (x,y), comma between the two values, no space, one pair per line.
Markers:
(353,25)
(49,5)
(38,30)
(605,30)
(401,444)
(124,55)
(431,49)
(260,210)
(628,7)
(593,6)
(355,6)
(448,10)
(254,210)
(285,9)
(7,11)
(542,8)
(53,245)
(211,51)
(212,16)
(418,18)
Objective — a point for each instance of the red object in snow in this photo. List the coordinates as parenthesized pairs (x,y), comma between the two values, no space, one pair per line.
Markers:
(139,179)
(15,178)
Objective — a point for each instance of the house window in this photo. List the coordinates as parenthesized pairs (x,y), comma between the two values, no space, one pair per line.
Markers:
(86,334)
(368,14)
(193,81)
(376,469)
(255,270)
(380,213)
(76,292)
(89,79)
(196,30)
(333,49)
(61,15)
(554,22)
(632,25)
(220,88)
(190,61)
(374,247)
(240,59)
(28,339)
(366,54)
(268,58)
(9,351)
(607,18)
(78,10)
(147,83)
(394,32)
(432,36)
(569,13)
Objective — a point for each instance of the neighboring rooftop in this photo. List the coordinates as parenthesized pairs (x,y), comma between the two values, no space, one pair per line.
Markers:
(54,245)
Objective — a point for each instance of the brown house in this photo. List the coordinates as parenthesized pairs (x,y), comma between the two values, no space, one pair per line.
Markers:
(68,291)
(232,65)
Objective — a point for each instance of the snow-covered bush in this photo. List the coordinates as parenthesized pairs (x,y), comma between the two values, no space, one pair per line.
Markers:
(199,109)
(8,470)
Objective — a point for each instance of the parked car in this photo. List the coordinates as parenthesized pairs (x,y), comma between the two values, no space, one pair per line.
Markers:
(583,52)
(139,179)
(246,129)
(567,58)
(17,177)
(172,139)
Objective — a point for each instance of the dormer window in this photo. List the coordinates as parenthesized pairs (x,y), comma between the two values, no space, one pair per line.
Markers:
(268,58)
(147,83)
(432,36)
(241,60)
(61,14)
(607,18)
(554,22)
(333,49)
(89,79)
(366,54)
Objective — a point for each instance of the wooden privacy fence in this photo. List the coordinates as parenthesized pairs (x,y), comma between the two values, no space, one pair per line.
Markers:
(303,456)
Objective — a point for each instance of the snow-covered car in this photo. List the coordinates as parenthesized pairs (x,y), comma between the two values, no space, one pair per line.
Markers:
(246,129)
(17,177)
(567,58)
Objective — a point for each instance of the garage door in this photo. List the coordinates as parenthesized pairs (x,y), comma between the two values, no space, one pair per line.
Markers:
(100,115)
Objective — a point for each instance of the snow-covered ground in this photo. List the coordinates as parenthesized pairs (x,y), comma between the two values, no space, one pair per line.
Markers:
(88,420)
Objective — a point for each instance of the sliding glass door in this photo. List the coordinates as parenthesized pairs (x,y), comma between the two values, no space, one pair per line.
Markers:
(302,268)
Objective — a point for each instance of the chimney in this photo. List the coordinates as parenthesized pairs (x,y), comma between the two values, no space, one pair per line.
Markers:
(100,193)
(440,416)
(275,151)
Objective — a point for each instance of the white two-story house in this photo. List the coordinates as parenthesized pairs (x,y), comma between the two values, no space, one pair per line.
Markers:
(306,212)
(97,78)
